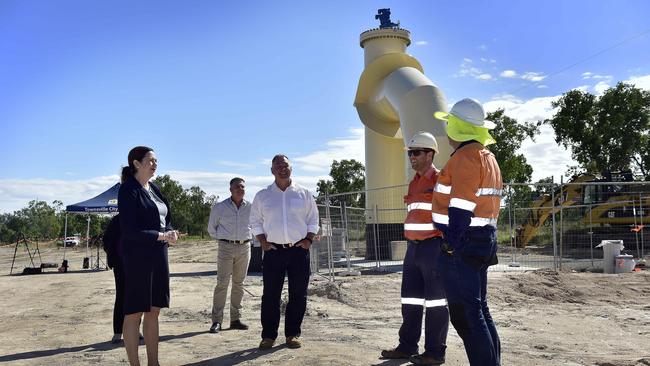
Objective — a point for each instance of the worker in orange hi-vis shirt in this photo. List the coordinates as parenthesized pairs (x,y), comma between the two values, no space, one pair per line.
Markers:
(465,208)
(422,290)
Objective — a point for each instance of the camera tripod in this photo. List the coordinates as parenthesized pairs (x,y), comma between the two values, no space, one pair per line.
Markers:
(99,264)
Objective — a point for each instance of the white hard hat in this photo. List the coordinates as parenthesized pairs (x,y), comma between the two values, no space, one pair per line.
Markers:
(470,111)
(423,140)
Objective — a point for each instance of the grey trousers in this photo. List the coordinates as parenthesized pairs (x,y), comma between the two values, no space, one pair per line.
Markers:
(232,261)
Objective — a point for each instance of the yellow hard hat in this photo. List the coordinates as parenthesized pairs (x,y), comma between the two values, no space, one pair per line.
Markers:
(466,121)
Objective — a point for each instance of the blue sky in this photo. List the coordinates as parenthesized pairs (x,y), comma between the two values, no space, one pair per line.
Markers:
(217,88)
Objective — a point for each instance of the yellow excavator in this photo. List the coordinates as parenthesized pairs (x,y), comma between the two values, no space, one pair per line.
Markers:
(604,207)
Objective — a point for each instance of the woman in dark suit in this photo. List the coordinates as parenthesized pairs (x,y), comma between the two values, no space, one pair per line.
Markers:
(146,232)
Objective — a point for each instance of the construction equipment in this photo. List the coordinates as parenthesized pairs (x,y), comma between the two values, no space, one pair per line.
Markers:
(612,203)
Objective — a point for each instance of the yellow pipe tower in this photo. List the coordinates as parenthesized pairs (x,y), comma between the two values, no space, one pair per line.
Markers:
(394,100)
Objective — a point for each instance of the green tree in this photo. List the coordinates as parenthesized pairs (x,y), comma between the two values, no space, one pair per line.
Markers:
(7,228)
(199,206)
(543,188)
(606,133)
(347,176)
(78,224)
(178,200)
(190,207)
(38,220)
(644,156)
(509,135)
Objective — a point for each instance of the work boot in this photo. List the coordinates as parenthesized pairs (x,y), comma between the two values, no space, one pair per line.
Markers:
(395,354)
(237,324)
(266,343)
(426,360)
(293,342)
(215,328)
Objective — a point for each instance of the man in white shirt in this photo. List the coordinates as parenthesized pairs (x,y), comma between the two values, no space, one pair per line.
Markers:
(229,225)
(284,218)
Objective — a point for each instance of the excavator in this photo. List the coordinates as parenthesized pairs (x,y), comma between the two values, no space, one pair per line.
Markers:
(603,208)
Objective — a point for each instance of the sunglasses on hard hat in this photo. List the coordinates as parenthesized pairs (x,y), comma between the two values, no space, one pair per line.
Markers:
(417,152)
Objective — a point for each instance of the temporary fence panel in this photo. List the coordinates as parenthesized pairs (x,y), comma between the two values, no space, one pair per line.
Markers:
(543,225)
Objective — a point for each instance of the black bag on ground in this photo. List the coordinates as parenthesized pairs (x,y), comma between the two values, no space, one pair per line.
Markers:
(110,241)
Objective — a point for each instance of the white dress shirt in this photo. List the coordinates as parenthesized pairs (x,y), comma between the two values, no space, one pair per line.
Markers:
(229,222)
(284,216)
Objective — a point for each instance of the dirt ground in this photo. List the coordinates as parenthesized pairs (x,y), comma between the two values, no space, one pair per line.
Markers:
(544,318)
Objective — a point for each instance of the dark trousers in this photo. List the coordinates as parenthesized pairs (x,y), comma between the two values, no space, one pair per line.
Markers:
(294,262)
(422,288)
(118,309)
(464,275)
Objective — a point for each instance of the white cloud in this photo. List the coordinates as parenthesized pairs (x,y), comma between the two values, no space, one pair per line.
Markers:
(642,82)
(236,164)
(590,75)
(605,82)
(467,69)
(601,87)
(482,47)
(582,88)
(352,147)
(421,43)
(16,193)
(508,74)
(605,77)
(530,76)
(532,110)
(308,170)
(533,76)
(542,86)
(544,155)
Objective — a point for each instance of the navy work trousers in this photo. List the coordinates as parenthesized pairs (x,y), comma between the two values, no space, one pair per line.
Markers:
(464,275)
(294,263)
(422,287)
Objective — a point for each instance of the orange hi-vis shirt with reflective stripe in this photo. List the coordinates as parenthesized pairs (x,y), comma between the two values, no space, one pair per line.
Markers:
(470,181)
(419,224)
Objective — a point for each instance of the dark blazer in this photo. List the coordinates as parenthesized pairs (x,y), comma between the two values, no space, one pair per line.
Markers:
(111,240)
(139,218)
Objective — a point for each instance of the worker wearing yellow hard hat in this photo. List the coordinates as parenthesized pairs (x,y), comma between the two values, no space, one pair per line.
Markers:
(465,208)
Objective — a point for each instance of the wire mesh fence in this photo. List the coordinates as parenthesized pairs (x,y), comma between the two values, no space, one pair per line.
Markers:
(543,225)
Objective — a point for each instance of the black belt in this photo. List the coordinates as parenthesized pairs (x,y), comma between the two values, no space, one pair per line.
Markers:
(235,241)
(284,246)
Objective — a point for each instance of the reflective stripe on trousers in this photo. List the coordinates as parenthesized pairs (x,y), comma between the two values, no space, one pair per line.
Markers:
(424,302)
(423,290)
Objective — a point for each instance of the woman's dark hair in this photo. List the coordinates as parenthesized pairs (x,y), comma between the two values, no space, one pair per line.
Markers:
(137,153)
